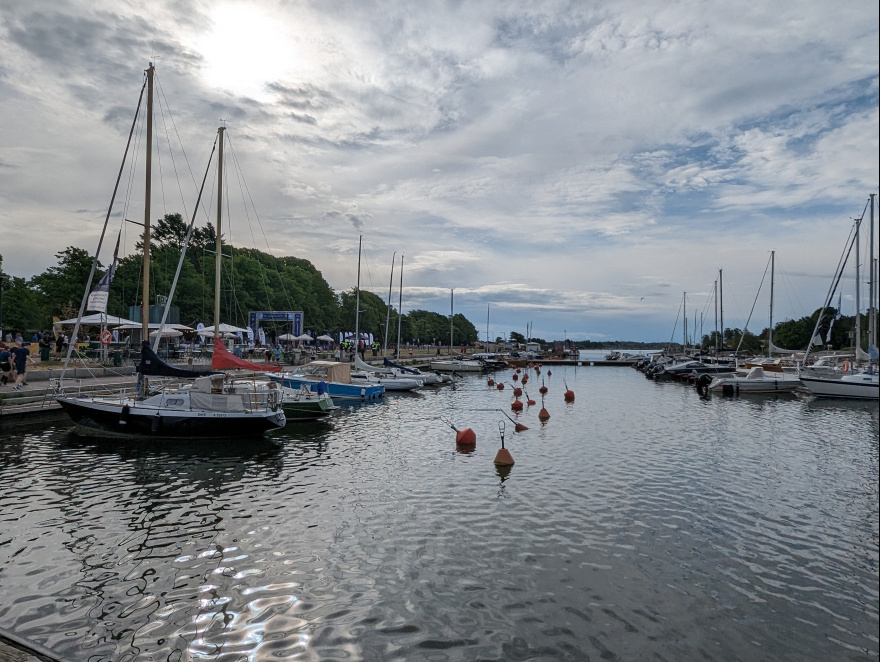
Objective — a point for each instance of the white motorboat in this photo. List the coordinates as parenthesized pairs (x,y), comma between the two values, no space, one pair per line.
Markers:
(855,386)
(755,381)
(457,365)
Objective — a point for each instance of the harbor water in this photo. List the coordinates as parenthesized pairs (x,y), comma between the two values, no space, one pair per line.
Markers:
(640,522)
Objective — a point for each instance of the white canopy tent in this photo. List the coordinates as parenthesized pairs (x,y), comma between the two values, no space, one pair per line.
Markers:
(98,319)
(225,329)
(324,338)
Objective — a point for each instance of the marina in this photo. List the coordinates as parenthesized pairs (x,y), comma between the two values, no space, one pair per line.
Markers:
(639,521)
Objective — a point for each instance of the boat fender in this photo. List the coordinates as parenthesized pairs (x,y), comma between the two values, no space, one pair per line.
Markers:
(157,423)
(363,392)
(727,389)
(123,415)
(703,384)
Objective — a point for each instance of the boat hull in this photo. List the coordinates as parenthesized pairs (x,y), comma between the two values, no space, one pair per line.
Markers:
(457,366)
(842,388)
(737,386)
(128,419)
(337,390)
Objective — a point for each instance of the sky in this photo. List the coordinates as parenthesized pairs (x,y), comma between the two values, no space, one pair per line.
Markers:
(583,170)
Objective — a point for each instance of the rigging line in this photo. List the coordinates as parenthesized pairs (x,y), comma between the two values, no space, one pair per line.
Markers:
(161,91)
(162,110)
(85,297)
(760,285)
(243,187)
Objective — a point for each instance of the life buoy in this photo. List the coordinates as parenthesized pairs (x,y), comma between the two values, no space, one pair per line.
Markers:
(106,337)
(845,366)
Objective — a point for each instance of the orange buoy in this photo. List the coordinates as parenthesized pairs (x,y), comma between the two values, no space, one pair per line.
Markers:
(515,376)
(500,386)
(517,391)
(491,382)
(516,405)
(503,458)
(525,378)
(466,437)
(530,402)
(542,390)
(543,415)
(569,396)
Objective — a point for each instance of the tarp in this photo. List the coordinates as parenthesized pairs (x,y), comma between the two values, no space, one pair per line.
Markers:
(98,318)
(223,360)
(152,365)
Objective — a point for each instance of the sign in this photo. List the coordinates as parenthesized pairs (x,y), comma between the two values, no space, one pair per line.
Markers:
(106,337)
(294,317)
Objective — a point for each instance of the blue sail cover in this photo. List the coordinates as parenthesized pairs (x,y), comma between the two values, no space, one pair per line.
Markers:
(152,365)
(391,364)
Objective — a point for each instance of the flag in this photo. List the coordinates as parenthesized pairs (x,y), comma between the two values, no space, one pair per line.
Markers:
(833,320)
(97,302)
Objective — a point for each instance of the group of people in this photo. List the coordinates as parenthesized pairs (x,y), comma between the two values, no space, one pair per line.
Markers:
(13,364)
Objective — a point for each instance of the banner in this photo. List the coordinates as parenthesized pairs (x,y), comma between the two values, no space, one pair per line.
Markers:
(833,320)
(97,302)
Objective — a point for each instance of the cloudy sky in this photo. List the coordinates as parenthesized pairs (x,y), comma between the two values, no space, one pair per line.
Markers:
(576,166)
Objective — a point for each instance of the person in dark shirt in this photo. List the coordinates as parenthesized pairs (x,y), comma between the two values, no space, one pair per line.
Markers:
(5,364)
(20,357)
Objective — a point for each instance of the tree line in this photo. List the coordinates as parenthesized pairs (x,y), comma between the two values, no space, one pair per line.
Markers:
(251,280)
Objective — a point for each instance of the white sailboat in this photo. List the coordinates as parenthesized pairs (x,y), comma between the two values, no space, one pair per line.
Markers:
(855,382)
(199,404)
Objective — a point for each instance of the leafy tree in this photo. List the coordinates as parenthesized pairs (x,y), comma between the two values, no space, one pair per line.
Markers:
(516,337)
(63,286)
(22,307)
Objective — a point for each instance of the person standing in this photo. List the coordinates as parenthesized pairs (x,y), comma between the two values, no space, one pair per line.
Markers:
(20,358)
(59,346)
(337,354)
(5,364)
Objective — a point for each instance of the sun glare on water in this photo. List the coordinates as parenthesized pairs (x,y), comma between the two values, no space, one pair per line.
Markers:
(245,50)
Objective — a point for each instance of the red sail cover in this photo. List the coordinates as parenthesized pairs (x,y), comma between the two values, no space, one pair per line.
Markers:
(223,360)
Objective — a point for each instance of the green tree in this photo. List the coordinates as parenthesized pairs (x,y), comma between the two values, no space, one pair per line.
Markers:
(516,337)
(63,285)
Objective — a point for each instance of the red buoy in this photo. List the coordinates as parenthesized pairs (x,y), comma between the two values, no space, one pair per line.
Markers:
(491,382)
(517,391)
(525,378)
(515,376)
(500,386)
(543,389)
(569,396)
(516,405)
(549,373)
(466,437)
(503,458)
(543,415)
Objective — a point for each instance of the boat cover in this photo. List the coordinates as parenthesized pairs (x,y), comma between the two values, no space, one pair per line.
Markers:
(224,360)
(392,364)
(152,365)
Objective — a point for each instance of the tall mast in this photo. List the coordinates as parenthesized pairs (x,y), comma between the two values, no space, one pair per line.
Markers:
(858,335)
(357,302)
(145,295)
(872,288)
(217,243)
(716,317)
(388,309)
(451,315)
(721,304)
(772,279)
(684,299)
(487,326)
(400,307)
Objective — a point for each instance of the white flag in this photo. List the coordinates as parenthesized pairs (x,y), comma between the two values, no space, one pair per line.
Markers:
(98,297)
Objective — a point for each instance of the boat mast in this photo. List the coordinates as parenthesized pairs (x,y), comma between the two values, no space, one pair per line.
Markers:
(451,316)
(145,293)
(357,303)
(872,288)
(716,317)
(388,309)
(772,280)
(721,305)
(217,243)
(487,326)
(400,307)
(684,309)
(857,338)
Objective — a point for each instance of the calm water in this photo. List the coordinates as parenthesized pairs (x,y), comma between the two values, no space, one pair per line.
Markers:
(639,523)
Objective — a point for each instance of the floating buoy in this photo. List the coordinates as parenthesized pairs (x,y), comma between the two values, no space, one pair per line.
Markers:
(503,457)
(569,394)
(517,391)
(543,415)
(516,405)
(549,373)
(466,437)
(525,378)
(543,388)
(491,382)
(500,386)
(529,401)
(515,376)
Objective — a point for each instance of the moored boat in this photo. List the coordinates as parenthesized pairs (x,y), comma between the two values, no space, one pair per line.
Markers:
(332,377)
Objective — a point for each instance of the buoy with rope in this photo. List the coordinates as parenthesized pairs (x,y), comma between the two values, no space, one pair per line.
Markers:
(517,391)
(529,401)
(515,376)
(465,437)
(518,427)
(500,386)
(524,379)
(543,415)
(516,405)
(503,458)
(490,382)
(568,396)
(543,388)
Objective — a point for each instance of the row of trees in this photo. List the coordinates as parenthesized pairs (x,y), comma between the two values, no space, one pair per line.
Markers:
(251,280)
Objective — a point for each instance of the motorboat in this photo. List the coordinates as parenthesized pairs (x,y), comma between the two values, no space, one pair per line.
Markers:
(331,377)
(854,385)
(303,404)
(755,381)
(457,365)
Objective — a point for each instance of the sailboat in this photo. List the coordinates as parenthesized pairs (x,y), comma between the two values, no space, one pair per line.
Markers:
(855,383)
(199,403)
(331,377)
(458,365)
